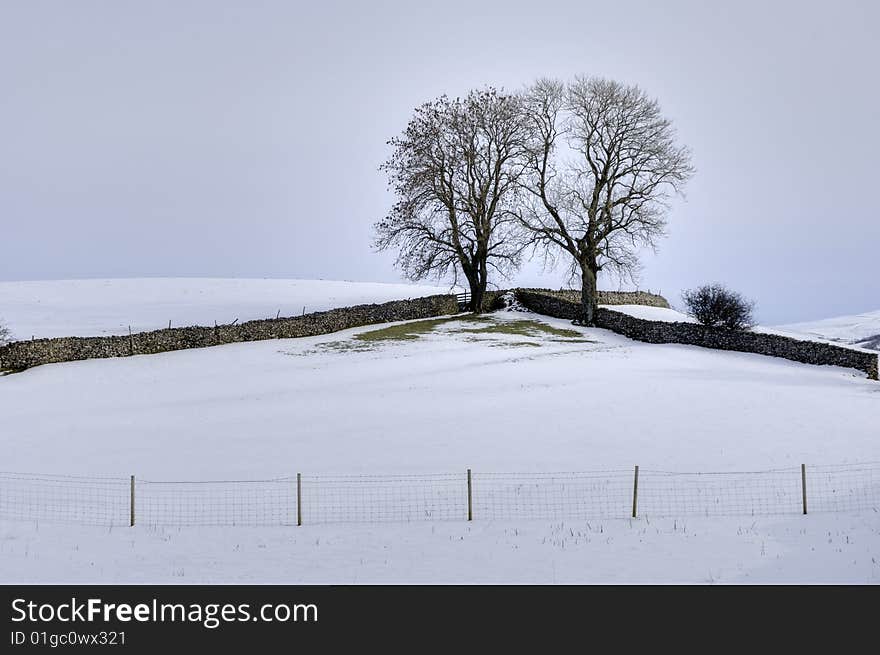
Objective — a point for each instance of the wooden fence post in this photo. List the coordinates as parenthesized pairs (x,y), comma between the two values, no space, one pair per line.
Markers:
(470,498)
(299,507)
(636,492)
(804,485)
(131,512)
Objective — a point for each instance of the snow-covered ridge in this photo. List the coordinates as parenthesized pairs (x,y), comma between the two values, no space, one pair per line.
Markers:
(860,329)
(64,308)
(651,313)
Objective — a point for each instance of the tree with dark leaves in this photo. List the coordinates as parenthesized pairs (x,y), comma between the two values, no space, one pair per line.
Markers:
(716,305)
(455,172)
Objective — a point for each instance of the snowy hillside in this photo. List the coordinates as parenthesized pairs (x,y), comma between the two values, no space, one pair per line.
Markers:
(861,329)
(456,395)
(508,392)
(652,313)
(61,308)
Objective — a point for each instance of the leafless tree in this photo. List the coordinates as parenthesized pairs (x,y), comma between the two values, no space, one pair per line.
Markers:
(5,335)
(455,173)
(603,165)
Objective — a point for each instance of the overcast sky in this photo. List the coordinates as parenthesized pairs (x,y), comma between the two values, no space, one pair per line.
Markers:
(242,139)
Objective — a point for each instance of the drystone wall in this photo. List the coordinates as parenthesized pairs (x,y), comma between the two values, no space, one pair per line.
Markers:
(694,334)
(20,355)
(608,297)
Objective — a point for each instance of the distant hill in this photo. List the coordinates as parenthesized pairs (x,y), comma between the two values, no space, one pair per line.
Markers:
(871,342)
(861,330)
(82,308)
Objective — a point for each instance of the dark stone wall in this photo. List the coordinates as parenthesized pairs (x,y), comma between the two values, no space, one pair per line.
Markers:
(694,334)
(550,303)
(493,300)
(629,298)
(609,297)
(20,355)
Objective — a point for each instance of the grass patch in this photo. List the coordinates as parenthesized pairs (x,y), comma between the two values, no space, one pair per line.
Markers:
(472,328)
(522,328)
(344,346)
(515,344)
(469,326)
(404,332)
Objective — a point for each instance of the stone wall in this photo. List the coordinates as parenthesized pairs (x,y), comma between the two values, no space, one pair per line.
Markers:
(807,352)
(21,355)
(609,297)
(493,300)
(550,303)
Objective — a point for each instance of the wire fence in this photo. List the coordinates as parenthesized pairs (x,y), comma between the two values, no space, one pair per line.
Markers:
(62,498)
(585,495)
(318,499)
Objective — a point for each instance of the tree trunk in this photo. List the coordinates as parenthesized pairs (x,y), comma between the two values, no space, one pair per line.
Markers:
(478,289)
(588,295)
(478,284)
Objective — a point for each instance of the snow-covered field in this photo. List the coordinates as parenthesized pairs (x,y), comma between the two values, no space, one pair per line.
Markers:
(653,313)
(81,308)
(821,548)
(493,395)
(441,402)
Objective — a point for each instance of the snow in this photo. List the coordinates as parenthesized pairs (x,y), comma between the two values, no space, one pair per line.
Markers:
(652,313)
(445,401)
(857,329)
(81,308)
(435,404)
(821,548)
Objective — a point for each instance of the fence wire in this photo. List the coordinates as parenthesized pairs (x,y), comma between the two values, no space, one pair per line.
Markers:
(439,497)
(587,495)
(65,499)
(844,488)
(382,498)
(755,493)
(217,503)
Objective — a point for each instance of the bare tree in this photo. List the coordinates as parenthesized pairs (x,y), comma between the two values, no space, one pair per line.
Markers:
(603,164)
(455,172)
(5,335)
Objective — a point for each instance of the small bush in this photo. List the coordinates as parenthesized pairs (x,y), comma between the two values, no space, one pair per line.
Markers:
(716,305)
(5,335)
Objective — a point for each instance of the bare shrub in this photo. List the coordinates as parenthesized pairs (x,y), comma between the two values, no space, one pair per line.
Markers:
(716,305)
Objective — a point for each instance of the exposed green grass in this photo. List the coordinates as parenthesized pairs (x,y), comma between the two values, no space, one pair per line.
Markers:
(404,332)
(472,327)
(522,328)
(344,346)
(514,344)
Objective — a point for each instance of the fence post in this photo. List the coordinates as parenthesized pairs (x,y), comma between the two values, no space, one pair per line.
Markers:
(131,512)
(470,498)
(299,507)
(636,492)
(804,485)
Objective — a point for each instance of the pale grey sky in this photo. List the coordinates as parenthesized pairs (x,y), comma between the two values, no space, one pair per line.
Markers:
(180,138)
